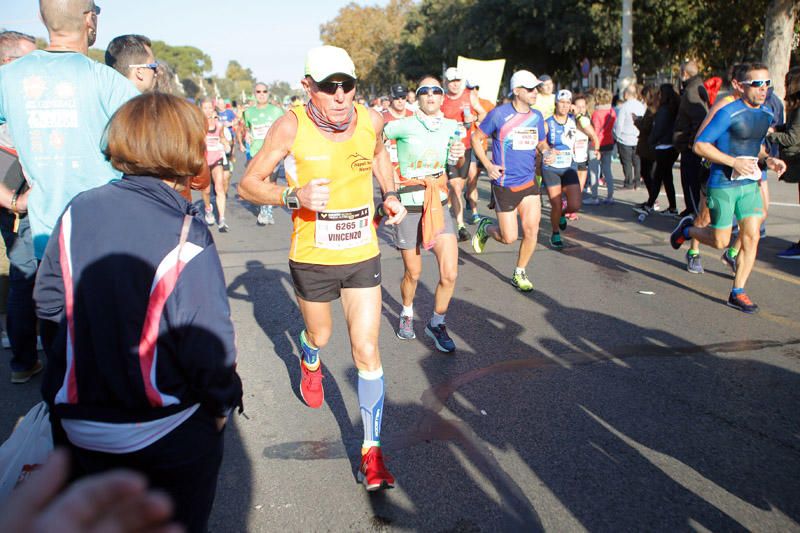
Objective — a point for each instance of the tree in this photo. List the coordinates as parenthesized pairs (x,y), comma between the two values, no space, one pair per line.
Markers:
(235,72)
(778,40)
(98,55)
(188,61)
(367,33)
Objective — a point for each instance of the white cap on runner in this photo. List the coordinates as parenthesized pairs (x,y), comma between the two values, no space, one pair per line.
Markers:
(564,94)
(452,74)
(524,78)
(323,62)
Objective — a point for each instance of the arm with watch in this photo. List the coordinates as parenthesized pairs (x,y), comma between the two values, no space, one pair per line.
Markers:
(255,185)
(384,172)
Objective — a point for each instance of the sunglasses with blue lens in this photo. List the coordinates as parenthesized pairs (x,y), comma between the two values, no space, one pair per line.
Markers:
(430,89)
(757,83)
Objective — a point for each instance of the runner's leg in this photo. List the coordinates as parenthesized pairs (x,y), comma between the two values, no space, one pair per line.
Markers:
(456,200)
(412,264)
(217,176)
(554,194)
(446,252)
(749,229)
(530,212)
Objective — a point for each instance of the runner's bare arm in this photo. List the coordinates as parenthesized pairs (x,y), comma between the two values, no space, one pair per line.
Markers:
(476,103)
(773,163)
(381,164)
(494,171)
(255,185)
(588,130)
(713,154)
(384,173)
(544,149)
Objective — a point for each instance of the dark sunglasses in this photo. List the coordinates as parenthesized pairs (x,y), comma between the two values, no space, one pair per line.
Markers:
(94,9)
(330,87)
(262,92)
(151,66)
(757,83)
(430,89)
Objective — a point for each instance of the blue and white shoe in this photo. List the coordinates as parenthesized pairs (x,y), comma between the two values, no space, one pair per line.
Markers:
(440,338)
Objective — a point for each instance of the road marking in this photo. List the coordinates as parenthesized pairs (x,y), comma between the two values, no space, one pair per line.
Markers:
(761,270)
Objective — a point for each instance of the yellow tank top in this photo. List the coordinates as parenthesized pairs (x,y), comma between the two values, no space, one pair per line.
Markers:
(343,234)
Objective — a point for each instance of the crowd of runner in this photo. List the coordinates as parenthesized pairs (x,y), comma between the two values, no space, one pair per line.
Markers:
(425,147)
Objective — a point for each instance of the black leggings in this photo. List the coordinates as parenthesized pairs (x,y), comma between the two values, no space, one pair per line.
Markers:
(184,463)
(665,159)
(648,166)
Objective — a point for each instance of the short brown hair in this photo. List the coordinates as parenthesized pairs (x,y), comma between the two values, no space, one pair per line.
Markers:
(157,135)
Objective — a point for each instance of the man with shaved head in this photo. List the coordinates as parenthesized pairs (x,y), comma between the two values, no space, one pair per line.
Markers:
(56,103)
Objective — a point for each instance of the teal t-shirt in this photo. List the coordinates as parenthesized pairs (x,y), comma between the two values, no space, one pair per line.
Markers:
(258,122)
(421,148)
(57,105)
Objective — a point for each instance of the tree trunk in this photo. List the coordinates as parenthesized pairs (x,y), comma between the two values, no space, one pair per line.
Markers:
(778,37)
(626,74)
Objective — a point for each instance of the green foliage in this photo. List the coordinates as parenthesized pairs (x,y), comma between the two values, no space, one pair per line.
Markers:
(370,34)
(98,55)
(550,36)
(188,61)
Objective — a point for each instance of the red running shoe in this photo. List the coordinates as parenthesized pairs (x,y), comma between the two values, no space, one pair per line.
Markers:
(311,386)
(373,473)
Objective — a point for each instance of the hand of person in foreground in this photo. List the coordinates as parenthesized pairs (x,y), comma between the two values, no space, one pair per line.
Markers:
(112,502)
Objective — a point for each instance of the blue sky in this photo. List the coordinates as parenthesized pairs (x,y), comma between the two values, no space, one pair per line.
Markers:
(269,37)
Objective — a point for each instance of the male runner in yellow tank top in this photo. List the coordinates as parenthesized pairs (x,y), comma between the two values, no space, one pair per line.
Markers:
(332,149)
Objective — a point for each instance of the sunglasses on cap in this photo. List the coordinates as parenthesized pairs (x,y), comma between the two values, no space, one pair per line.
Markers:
(430,89)
(330,87)
(757,83)
(93,9)
(151,66)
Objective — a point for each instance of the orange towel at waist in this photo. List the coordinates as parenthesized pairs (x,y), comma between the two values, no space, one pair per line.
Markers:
(432,209)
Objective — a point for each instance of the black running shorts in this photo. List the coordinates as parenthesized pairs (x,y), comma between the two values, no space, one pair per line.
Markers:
(454,171)
(552,177)
(505,200)
(324,283)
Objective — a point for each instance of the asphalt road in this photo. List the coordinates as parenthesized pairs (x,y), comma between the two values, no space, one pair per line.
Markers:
(584,405)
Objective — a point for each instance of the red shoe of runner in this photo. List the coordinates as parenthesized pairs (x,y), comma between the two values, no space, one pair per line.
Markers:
(311,386)
(373,473)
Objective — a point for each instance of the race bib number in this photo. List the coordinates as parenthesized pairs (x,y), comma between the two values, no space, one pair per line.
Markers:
(346,228)
(392,149)
(581,150)
(260,131)
(563,158)
(755,176)
(524,139)
(213,144)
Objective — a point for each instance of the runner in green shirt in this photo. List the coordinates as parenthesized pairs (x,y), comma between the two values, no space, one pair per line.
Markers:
(424,142)
(257,121)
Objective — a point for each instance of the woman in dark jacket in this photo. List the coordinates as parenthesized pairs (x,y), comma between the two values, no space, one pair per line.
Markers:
(660,140)
(141,357)
(644,124)
(787,137)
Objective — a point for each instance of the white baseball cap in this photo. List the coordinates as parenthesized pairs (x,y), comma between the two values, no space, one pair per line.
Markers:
(524,78)
(564,94)
(452,74)
(323,62)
